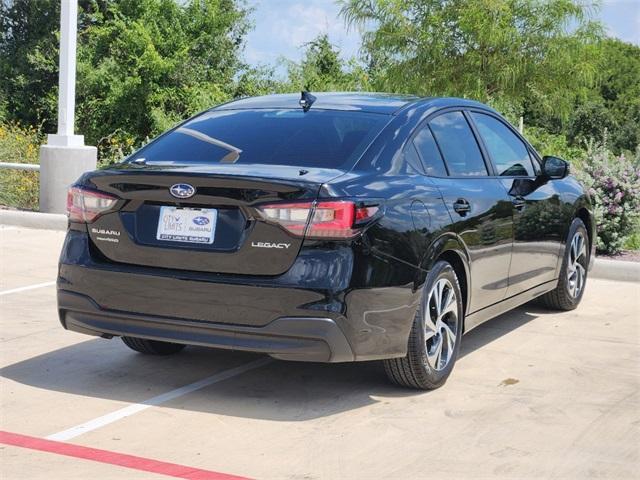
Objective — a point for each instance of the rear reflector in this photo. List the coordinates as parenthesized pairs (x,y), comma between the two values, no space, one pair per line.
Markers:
(330,219)
(86,205)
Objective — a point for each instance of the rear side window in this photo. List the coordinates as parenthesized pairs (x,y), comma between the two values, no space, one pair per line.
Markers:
(458,145)
(413,164)
(509,154)
(428,150)
(317,138)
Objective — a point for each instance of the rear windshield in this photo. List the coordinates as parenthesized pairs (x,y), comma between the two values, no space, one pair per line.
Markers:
(317,138)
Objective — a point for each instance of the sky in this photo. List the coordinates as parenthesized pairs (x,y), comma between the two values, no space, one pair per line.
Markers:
(282,27)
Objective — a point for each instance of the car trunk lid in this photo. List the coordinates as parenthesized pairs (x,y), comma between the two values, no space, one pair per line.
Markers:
(226,199)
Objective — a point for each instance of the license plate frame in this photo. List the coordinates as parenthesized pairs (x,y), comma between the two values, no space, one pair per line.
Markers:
(195,226)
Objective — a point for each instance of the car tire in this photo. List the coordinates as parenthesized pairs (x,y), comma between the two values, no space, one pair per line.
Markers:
(573,274)
(437,324)
(152,347)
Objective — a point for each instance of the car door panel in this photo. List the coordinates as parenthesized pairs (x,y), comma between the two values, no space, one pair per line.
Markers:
(486,232)
(538,232)
(479,207)
(536,206)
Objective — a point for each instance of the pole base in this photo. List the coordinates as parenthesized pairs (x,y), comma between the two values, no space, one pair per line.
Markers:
(65,140)
(60,167)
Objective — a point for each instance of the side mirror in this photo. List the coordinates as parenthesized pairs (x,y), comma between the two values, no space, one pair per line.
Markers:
(554,167)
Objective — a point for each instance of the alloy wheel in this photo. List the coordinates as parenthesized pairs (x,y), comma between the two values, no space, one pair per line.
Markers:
(576,272)
(441,324)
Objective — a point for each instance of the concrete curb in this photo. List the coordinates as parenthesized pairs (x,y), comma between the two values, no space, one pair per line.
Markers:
(43,221)
(619,270)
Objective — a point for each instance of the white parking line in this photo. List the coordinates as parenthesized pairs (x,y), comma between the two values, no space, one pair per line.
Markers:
(28,287)
(155,401)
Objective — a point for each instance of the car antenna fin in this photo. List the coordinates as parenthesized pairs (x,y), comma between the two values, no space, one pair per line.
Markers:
(306,100)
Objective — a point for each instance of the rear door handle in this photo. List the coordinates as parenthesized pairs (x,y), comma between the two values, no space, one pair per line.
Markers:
(519,203)
(462,207)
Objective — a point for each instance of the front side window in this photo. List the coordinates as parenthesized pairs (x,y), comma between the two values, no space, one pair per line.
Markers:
(509,154)
(317,138)
(458,145)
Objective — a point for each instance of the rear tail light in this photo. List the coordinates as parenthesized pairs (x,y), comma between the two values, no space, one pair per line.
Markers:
(86,205)
(330,219)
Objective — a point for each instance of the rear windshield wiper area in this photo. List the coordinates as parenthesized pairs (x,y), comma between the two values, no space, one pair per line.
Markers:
(231,157)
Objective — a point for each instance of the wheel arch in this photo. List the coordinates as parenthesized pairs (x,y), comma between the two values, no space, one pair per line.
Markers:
(586,217)
(451,249)
(462,272)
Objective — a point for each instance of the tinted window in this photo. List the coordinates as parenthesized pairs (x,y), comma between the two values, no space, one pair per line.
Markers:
(320,138)
(458,145)
(413,164)
(508,152)
(426,146)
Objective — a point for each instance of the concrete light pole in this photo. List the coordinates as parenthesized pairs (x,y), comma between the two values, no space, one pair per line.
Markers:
(65,156)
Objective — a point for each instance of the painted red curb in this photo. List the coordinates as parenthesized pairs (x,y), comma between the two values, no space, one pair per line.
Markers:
(113,458)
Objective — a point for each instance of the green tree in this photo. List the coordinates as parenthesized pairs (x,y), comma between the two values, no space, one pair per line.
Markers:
(620,92)
(323,69)
(142,64)
(544,52)
(28,59)
(259,80)
(29,37)
(151,63)
(591,120)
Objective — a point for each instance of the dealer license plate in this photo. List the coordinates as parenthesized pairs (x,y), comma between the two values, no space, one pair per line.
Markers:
(187,225)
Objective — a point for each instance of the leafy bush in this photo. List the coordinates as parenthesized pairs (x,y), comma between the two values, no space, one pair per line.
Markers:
(614,183)
(19,188)
(114,147)
(633,242)
(553,144)
(590,122)
(18,144)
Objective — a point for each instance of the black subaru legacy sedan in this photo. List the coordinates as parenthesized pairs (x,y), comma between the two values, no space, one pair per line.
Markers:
(331,227)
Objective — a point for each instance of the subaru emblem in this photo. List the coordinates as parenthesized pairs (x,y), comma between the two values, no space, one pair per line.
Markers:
(182,190)
(201,221)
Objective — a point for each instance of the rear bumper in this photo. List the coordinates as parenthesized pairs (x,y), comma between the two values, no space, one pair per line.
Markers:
(301,339)
(319,310)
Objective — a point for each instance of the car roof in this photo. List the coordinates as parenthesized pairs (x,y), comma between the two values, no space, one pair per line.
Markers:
(365,102)
(385,103)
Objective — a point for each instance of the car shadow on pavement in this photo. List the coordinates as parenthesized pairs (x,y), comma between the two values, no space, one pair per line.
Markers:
(280,391)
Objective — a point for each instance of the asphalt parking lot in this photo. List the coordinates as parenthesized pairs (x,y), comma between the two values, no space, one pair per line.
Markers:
(534,395)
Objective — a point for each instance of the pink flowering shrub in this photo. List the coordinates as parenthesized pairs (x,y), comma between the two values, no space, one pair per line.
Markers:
(614,184)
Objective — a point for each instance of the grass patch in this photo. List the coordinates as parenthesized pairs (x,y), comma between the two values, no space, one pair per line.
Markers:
(18,144)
